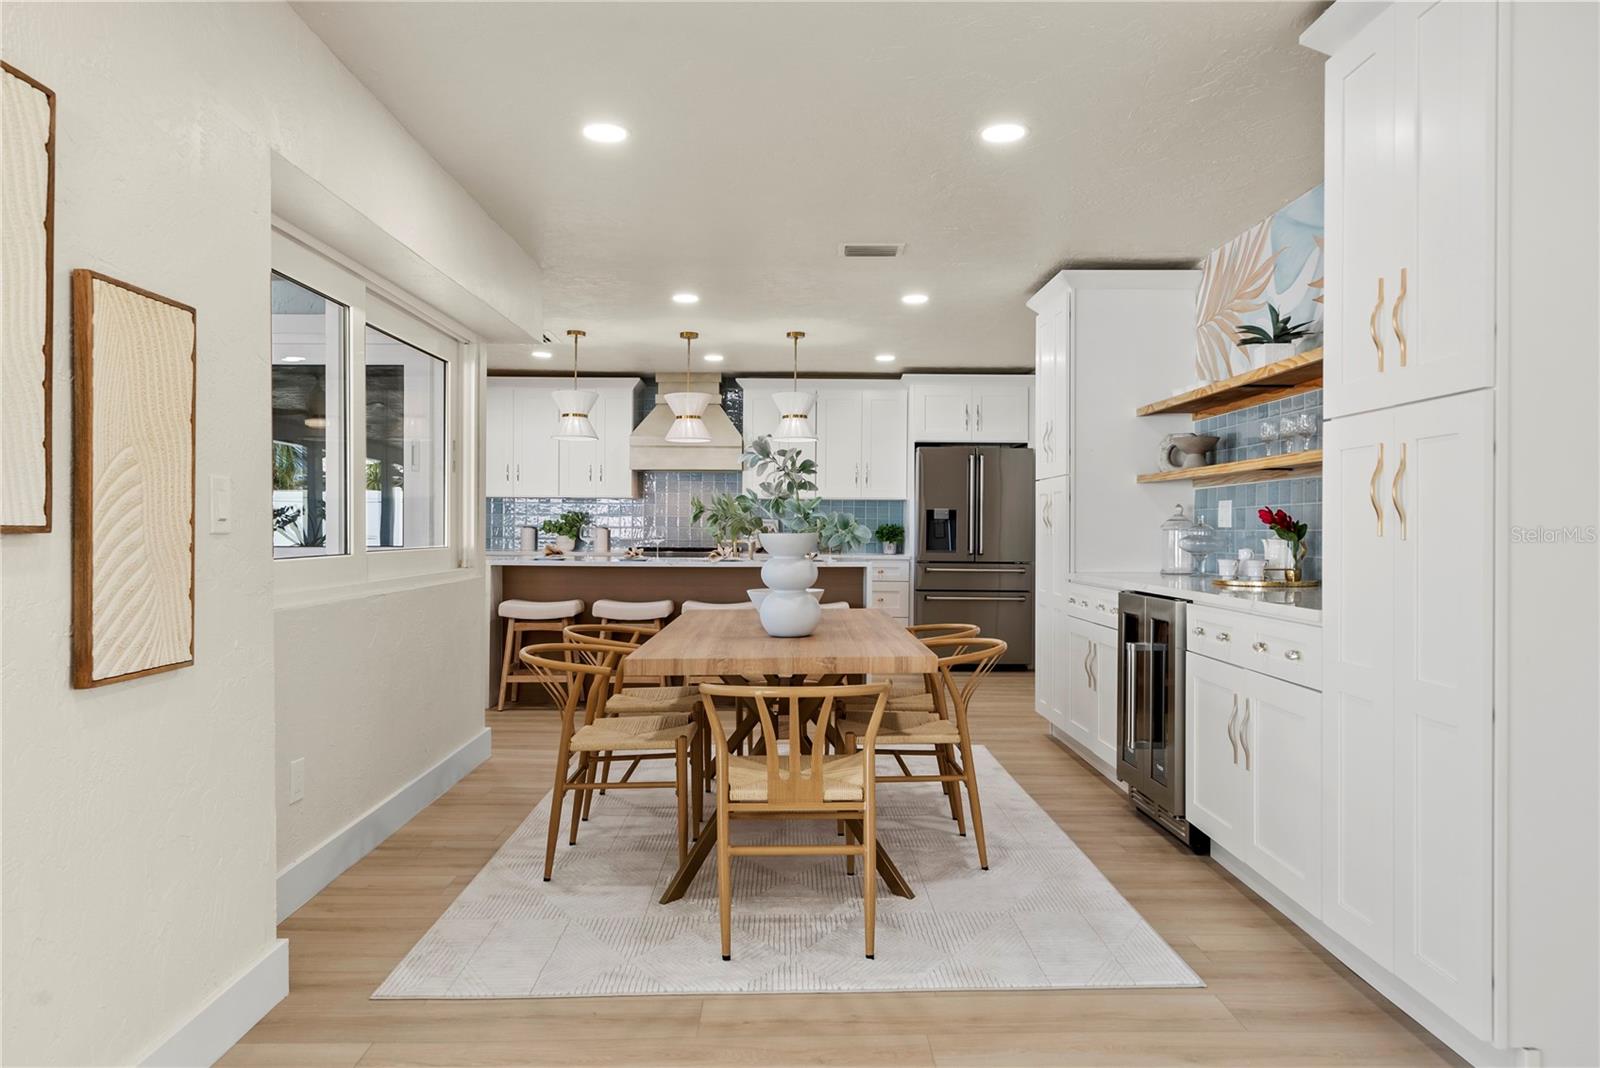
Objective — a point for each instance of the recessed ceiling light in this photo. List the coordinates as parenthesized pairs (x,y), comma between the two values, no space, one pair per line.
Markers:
(1003,133)
(541,355)
(884,357)
(712,357)
(685,298)
(294,359)
(914,298)
(607,133)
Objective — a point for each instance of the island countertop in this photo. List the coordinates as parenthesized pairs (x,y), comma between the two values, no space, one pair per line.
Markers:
(614,560)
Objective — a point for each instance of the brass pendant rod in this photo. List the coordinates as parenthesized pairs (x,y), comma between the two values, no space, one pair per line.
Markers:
(796,335)
(575,335)
(688,355)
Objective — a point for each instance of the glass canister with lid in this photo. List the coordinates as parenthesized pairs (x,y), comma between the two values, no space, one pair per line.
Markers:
(1175,559)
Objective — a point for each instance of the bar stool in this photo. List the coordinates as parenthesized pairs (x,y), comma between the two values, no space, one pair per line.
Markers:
(530,617)
(651,614)
(706,606)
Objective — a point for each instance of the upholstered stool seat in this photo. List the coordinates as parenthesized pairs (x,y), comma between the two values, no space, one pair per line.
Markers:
(706,606)
(612,611)
(539,611)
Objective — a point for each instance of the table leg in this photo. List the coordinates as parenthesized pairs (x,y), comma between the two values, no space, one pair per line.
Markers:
(691,866)
(891,875)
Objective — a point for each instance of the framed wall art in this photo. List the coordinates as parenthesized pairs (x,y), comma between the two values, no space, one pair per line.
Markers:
(133,501)
(27,271)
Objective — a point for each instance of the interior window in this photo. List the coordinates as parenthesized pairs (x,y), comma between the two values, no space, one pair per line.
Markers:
(406,434)
(308,425)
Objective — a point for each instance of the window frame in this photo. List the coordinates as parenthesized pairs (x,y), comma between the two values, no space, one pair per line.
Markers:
(369,300)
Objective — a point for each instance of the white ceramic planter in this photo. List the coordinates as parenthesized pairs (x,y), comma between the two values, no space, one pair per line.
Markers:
(789,610)
(565,544)
(1261,355)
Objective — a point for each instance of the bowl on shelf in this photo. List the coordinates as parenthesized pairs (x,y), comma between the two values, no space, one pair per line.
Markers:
(1186,450)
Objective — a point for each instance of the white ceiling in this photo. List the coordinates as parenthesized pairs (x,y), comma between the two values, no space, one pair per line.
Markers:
(763,135)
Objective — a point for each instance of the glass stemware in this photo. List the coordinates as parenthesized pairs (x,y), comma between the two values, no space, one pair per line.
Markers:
(1288,427)
(1307,426)
(1269,434)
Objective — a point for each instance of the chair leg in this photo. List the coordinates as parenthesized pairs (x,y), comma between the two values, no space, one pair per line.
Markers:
(585,774)
(970,774)
(696,783)
(724,878)
(869,872)
(505,664)
(563,757)
(604,760)
(954,788)
(681,764)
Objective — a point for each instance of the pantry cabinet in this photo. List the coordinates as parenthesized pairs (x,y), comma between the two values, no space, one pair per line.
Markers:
(1410,207)
(1051,385)
(522,457)
(977,408)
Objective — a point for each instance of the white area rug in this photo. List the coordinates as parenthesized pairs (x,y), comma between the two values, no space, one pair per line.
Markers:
(1042,917)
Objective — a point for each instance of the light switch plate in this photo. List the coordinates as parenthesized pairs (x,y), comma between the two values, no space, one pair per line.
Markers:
(297,779)
(1224,514)
(221,504)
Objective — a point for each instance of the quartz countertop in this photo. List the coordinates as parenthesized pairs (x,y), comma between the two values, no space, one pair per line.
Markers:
(1301,606)
(615,560)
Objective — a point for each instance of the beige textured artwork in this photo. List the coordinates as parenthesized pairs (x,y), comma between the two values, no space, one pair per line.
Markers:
(27,134)
(133,481)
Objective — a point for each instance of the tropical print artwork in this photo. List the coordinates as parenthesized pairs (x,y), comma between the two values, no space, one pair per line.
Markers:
(1273,270)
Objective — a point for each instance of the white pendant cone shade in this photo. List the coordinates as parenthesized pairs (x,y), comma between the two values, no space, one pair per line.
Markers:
(574,406)
(688,428)
(794,417)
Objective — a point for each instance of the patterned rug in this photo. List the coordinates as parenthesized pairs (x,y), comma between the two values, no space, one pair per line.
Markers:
(1042,917)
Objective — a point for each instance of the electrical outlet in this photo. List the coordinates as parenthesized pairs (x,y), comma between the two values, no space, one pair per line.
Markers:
(1224,514)
(297,779)
(221,504)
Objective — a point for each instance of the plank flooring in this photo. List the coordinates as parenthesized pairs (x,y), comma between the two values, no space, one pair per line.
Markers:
(1272,996)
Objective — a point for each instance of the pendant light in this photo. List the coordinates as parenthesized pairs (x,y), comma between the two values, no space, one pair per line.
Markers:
(688,428)
(575,404)
(794,407)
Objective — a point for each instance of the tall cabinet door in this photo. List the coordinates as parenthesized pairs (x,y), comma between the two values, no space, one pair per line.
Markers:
(1104,684)
(1442,493)
(1083,711)
(1045,613)
(537,464)
(1050,439)
(883,445)
(1218,786)
(1358,460)
(1283,732)
(580,460)
(1443,308)
(499,441)
(839,442)
(1360,263)
(613,475)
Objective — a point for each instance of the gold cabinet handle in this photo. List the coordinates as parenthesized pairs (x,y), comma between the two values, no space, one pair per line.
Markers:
(1372,488)
(1244,734)
(1394,491)
(1372,326)
(1394,319)
(1233,739)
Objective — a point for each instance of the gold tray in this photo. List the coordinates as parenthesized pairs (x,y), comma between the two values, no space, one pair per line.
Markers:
(1264,584)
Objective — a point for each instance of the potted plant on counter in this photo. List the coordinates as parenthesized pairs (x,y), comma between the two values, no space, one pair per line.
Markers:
(889,536)
(565,529)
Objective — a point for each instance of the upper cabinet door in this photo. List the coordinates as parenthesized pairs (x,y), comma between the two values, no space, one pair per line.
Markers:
(941,410)
(1361,269)
(499,441)
(884,445)
(1441,493)
(580,460)
(1002,409)
(1050,406)
(761,420)
(536,458)
(613,475)
(1442,318)
(839,460)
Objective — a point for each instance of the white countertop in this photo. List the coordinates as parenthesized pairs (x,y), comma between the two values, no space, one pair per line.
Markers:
(614,560)
(1302,606)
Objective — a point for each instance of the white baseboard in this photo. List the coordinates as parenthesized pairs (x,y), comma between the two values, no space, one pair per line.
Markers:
(1473,1049)
(302,880)
(231,1012)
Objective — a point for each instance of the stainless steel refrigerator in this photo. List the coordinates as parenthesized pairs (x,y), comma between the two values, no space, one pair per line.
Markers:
(974,547)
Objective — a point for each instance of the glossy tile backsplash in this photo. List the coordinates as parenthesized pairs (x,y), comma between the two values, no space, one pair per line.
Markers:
(1239,435)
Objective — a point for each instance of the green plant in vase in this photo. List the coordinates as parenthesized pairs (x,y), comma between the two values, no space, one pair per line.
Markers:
(566,528)
(1284,526)
(890,535)
(784,476)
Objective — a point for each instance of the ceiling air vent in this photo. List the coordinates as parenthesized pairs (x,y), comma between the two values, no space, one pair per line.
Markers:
(871,251)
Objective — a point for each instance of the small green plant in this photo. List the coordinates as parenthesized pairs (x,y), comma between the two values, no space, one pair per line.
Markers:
(890,533)
(1282,331)
(566,525)
(729,517)
(784,475)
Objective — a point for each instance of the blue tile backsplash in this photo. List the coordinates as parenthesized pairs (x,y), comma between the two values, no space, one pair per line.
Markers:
(1239,435)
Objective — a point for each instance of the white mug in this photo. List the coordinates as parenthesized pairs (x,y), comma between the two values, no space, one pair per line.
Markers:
(1227,568)
(1245,554)
(1253,569)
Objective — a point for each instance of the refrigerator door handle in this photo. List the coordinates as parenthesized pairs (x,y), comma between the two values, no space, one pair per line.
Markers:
(971,501)
(980,501)
(972,597)
(932,569)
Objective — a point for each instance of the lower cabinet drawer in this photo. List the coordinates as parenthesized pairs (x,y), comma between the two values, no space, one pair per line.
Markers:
(890,571)
(1217,634)
(890,599)
(1288,651)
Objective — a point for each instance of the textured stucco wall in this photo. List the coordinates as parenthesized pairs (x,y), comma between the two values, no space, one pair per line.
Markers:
(138,819)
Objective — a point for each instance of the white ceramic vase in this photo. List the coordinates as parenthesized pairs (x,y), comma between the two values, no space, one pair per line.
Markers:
(789,611)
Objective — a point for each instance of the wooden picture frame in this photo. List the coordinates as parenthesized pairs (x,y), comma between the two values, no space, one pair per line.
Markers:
(26,330)
(133,481)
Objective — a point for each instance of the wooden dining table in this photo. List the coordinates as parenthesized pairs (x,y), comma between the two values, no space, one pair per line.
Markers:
(730,644)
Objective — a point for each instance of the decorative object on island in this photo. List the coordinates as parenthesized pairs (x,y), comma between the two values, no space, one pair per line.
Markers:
(794,407)
(688,428)
(1285,527)
(133,394)
(785,475)
(27,238)
(566,529)
(1276,341)
(575,404)
(889,536)
(1185,450)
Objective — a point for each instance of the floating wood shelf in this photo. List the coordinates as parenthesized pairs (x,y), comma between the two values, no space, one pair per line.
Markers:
(1298,374)
(1261,469)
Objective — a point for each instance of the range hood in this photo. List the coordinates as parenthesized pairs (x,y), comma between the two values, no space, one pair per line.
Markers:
(649,450)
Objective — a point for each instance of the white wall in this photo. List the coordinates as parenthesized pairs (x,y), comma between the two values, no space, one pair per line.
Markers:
(138,819)
(1551,384)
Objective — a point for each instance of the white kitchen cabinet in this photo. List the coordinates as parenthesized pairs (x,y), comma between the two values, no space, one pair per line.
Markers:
(1408,708)
(862,446)
(884,445)
(761,417)
(499,442)
(1050,389)
(1410,207)
(1253,756)
(958,408)
(839,442)
(522,458)
(1083,710)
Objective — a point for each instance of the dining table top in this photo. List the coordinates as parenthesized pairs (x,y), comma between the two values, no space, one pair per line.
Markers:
(731,642)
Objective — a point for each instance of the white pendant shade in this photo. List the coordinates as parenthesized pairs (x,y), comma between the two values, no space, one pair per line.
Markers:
(574,406)
(794,417)
(688,428)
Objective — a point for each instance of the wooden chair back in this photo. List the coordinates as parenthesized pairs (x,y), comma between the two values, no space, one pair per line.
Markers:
(575,675)
(609,641)
(929,631)
(795,776)
(978,655)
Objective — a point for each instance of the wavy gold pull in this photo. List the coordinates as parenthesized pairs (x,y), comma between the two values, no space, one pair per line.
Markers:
(1372,325)
(1394,490)
(1372,488)
(1394,317)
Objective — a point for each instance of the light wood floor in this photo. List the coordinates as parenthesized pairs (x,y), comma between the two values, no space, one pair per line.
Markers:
(1271,997)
